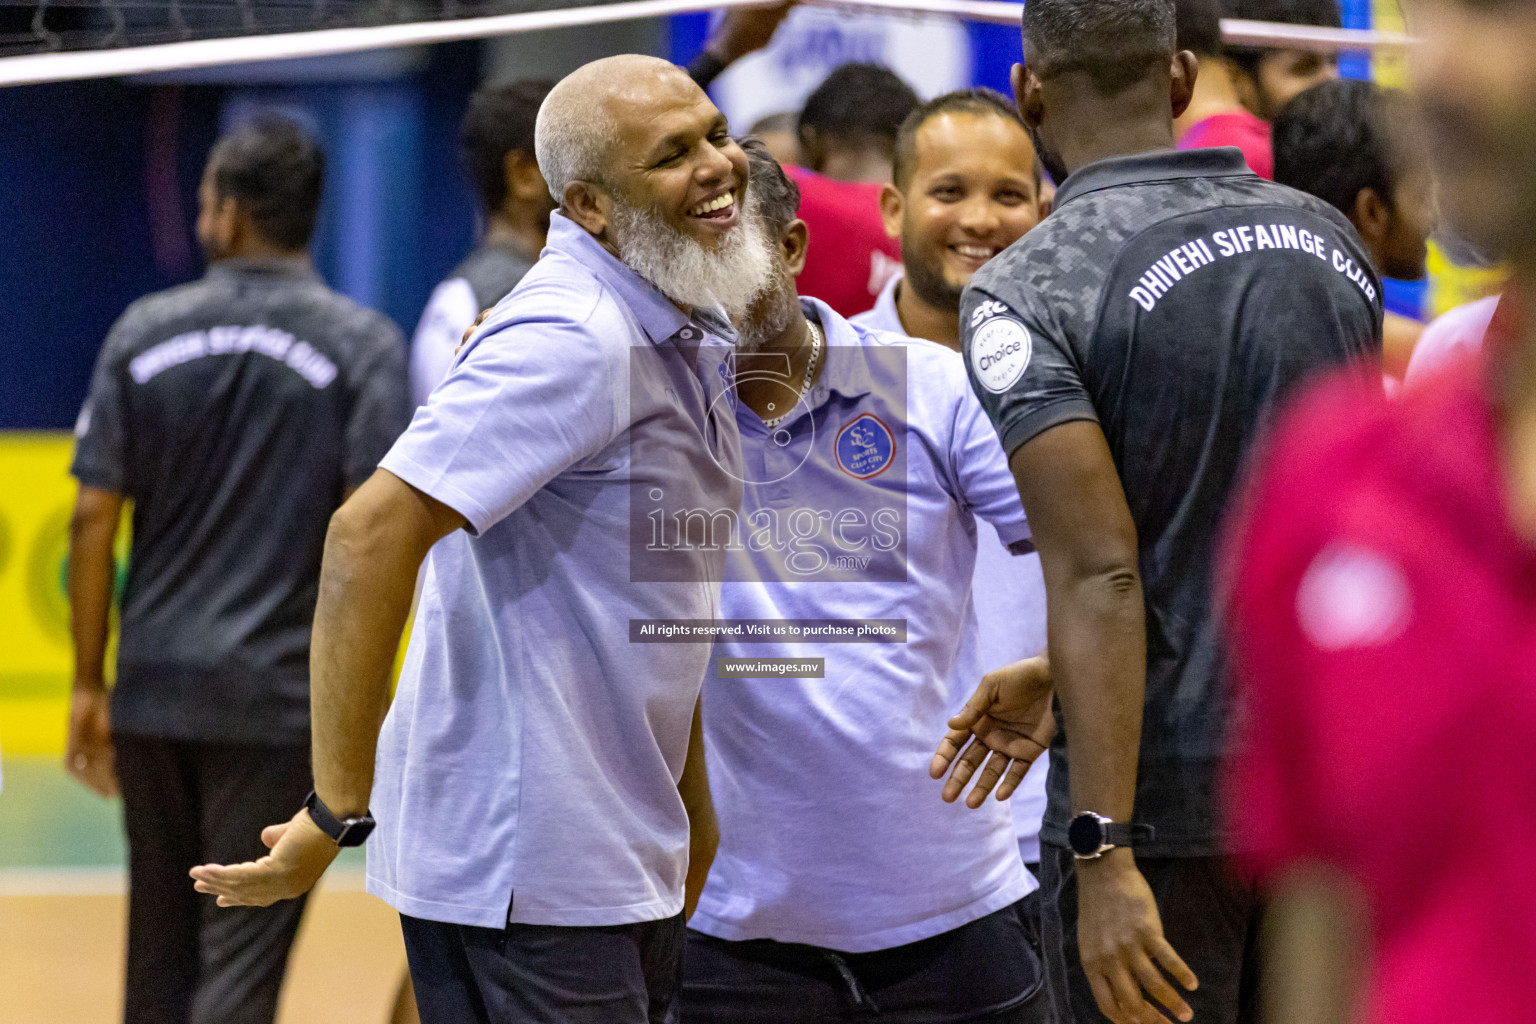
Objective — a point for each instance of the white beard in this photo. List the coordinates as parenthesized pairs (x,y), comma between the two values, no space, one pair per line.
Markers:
(684,270)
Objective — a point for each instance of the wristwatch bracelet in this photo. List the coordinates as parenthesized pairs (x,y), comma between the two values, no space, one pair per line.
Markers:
(1091,835)
(343,831)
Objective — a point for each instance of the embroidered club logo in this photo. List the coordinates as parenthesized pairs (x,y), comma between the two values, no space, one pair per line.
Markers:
(866,447)
(1000,350)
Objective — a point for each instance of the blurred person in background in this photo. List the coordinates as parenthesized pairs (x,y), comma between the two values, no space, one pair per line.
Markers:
(1355,145)
(543,817)
(1450,338)
(1216,116)
(1267,78)
(967,186)
(496,145)
(1129,350)
(847,133)
(882,903)
(779,136)
(235,413)
(1382,580)
(849,123)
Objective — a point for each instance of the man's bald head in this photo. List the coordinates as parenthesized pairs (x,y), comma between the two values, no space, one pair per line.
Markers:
(639,158)
(585,113)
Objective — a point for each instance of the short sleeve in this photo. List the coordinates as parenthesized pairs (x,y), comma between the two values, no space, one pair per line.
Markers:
(528,398)
(101,430)
(986,483)
(379,403)
(1025,374)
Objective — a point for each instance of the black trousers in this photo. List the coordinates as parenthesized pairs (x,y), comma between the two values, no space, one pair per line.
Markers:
(545,974)
(983,971)
(1210,918)
(188,803)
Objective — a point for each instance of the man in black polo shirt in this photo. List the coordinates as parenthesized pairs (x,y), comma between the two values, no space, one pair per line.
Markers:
(234,412)
(1129,350)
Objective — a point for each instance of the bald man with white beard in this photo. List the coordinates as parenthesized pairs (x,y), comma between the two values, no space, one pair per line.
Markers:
(537,775)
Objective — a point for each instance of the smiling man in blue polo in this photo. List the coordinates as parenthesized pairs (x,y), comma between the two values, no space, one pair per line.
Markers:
(861,502)
(531,830)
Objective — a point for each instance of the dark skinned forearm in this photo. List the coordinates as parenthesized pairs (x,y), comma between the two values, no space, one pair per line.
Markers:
(91,574)
(703,828)
(1088,549)
(1098,661)
(1097,621)
(373,550)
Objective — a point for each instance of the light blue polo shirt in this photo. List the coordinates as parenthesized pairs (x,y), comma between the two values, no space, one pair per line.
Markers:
(862,504)
(528,768)
(1010,609)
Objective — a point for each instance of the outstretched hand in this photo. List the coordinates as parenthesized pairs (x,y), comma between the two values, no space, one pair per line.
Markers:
(300,854)
(1007,723)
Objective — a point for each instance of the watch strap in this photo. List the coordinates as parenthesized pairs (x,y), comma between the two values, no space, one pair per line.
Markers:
(1119,833)
(348,832)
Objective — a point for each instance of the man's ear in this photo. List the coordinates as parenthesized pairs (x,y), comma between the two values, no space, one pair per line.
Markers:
(1026,95)
(232,226)
(1046,202)
(588,206)
(892,207)
(524,182)
(1181,81)
(794,243)
(1372,217)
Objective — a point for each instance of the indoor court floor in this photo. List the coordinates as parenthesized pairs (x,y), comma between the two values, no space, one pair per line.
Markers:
(63,917)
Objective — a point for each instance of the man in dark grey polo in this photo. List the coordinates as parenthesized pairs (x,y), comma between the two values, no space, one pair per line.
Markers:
(234,413)
(1129,351)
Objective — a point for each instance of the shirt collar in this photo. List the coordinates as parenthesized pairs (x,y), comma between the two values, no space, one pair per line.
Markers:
(293,268)
(659,317)
(887,317)
(1158,165)
(846,368)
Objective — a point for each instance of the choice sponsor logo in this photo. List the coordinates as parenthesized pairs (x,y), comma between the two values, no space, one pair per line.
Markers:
(1000,349)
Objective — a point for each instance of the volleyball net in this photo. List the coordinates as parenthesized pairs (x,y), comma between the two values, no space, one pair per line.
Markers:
(60,40)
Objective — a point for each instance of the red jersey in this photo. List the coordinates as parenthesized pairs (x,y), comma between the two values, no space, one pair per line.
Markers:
(1238,128)
(850,257)
(1383,618)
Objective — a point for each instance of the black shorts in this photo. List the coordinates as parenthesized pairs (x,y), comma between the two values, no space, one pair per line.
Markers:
(1210,918)
(545,974)
(983,971)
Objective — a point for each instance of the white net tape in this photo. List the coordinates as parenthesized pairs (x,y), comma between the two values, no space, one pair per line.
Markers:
(106,38)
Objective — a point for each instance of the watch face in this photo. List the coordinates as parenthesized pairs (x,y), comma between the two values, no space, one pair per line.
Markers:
(1086,835)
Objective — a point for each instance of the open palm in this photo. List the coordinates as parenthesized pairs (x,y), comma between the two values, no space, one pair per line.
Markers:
(1007,724)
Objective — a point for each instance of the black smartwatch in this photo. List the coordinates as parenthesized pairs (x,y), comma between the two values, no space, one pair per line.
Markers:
(343,831)
(1090,835)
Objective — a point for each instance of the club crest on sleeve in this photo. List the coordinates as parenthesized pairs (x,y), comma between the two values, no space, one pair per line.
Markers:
(999,351)
(865,447)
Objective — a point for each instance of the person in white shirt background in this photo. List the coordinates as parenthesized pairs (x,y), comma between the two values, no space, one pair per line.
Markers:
(967,186)
(496,146)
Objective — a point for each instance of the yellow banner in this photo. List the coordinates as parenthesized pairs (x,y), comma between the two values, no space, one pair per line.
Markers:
(36,659)
(37,496)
